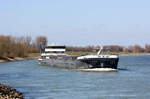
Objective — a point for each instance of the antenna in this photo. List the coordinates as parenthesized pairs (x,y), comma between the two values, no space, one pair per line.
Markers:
(99,52)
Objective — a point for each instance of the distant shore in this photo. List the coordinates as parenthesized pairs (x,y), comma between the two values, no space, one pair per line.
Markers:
(125,54)
(134,54)
(108,53)
(37,55)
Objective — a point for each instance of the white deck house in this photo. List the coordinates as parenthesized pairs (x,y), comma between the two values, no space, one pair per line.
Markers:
(54,51)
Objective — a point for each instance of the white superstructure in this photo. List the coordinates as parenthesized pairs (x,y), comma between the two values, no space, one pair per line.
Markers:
(53,51)
(99,55)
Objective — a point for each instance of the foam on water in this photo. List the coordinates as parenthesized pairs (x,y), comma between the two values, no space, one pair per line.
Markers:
(98,70)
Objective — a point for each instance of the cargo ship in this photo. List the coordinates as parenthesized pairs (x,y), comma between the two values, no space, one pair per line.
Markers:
(55,56)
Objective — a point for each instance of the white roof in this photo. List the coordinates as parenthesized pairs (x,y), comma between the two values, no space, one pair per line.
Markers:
(97,56)
(57,50)
(53,54)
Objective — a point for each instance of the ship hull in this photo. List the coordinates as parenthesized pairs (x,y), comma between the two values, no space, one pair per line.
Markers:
(102,62)
(71,62)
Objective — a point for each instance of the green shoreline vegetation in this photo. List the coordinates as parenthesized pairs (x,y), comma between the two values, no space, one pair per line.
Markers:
(21,48)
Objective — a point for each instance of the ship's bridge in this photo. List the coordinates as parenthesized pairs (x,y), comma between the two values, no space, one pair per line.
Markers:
(55,49)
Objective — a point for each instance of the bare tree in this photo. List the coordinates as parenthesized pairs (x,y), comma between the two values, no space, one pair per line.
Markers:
(147,48)
(136,49)
(41,43)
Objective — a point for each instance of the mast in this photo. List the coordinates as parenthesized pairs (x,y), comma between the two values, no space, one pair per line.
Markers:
(99,52)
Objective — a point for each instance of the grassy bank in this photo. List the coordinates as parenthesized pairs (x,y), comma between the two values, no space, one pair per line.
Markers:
(71,53)
(78,53)
(37,55)
(108,53)
(34,55)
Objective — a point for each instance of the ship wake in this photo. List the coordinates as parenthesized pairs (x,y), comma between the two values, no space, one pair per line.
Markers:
(98,70)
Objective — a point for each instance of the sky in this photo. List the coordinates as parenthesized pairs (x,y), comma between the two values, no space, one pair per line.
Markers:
(78,22)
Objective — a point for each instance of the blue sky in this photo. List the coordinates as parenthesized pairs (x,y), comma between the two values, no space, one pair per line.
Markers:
(78,22)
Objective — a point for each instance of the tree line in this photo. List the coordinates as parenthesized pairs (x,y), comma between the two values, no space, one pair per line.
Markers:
(112,48)
(20,46)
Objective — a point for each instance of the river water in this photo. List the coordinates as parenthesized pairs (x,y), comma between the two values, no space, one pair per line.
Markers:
(132,81)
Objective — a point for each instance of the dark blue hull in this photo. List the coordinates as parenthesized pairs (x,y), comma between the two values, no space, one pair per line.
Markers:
(102,62)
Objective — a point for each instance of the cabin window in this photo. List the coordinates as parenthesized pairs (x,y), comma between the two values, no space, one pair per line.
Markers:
(47,57)
(112,62)
(102,64)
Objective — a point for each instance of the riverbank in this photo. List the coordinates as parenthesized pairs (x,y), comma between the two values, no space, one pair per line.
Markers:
(107,53)
(9,93)
(37,55)
(16,59)
(30,56)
